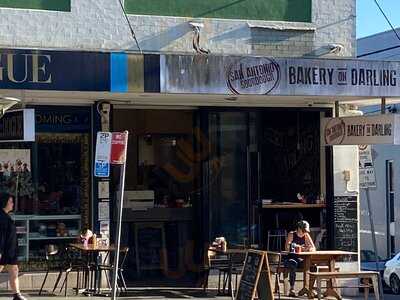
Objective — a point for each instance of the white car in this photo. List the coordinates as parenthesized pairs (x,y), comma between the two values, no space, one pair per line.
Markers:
(391,274)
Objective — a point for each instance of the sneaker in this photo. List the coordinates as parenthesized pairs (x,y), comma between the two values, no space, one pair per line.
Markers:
(292,293)
(18,296)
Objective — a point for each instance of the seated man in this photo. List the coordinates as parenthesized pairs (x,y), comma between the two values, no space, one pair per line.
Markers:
(301,239)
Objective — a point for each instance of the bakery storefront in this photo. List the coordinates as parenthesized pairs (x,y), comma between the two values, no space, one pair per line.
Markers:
(218,146)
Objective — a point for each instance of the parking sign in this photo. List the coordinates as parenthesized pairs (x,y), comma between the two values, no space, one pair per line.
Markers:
(103,154)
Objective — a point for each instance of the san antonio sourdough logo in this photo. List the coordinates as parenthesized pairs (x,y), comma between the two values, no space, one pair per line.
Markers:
(335,131)
(251,75)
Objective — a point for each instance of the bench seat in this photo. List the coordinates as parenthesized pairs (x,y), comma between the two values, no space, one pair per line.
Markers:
(364,275)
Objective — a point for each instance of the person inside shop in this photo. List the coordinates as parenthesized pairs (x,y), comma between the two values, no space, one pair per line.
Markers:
(297,241)
(9,244)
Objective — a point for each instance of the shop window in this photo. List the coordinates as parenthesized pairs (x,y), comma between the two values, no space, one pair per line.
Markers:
(50,180)
(16,174)
(59,5)
(60,173)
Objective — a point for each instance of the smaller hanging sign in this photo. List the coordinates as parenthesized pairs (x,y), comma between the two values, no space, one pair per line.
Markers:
(118,145)
(361,130)
(103,154)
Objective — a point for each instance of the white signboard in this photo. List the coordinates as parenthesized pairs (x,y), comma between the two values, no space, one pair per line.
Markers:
(366,167)
(365,156)
(103,154)
(361,130)
(18,126)
(104,210)
(367,178)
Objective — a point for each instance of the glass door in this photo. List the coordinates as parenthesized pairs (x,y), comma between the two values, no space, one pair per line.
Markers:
(228,182)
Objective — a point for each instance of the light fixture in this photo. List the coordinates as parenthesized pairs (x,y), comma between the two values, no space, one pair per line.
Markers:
(6,103)
(335,48)
(196,26)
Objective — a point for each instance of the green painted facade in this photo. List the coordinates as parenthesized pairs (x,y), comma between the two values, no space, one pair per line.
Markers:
(59,5)
(270,10)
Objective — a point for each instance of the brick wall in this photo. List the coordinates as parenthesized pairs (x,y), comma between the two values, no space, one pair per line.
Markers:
(100,25)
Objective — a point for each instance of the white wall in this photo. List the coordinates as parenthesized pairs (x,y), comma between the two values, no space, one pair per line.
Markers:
(346,158)
(100,25)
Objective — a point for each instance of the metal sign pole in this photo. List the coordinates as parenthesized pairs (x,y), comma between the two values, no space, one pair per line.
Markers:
(120,204)
(371,220)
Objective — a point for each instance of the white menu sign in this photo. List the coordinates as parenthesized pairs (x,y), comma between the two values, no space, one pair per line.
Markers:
(361,130)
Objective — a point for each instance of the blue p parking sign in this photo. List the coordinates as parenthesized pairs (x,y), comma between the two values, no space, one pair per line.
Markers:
(102,169)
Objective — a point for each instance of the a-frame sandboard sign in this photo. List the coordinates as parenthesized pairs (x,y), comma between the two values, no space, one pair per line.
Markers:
(255,279)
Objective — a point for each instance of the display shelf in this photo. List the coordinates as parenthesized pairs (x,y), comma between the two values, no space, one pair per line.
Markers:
(29,224)
(45,217)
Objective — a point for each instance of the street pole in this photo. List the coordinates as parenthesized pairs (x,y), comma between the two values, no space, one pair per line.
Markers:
(120,205)
(371,220)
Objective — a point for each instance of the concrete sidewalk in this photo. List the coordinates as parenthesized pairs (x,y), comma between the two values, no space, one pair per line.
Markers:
(158,294)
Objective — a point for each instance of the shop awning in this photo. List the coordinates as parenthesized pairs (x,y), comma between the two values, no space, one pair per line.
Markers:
(245,80)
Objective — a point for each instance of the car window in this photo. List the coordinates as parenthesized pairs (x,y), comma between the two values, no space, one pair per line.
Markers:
(369,256)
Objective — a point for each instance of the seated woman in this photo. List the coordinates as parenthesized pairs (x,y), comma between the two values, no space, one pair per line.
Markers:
(300,238)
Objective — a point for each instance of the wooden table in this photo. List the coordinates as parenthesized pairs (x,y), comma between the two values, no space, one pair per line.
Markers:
(91,253)
(292,205)
(327,258)
(91,248)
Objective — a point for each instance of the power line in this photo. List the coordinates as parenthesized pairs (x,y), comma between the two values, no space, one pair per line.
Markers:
(378,51)
(130,26)
(387,19)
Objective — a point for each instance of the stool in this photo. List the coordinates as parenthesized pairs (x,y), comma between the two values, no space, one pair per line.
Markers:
(275,237)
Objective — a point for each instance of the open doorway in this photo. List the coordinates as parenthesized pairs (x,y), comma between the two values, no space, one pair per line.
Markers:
(161,218)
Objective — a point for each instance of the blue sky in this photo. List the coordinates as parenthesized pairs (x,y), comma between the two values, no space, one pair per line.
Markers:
(370,20)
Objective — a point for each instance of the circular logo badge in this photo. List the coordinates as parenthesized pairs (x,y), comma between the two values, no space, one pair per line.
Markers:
(253,75)
(335,131)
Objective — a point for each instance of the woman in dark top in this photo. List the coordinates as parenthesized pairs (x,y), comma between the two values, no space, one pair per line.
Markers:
(300,238)
(9,244)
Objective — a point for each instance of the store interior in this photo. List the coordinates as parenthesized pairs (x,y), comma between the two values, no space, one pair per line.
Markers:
(197,174)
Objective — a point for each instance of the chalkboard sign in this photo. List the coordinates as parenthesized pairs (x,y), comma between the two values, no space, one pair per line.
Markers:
(150,246)
(346,223)
(256,264)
